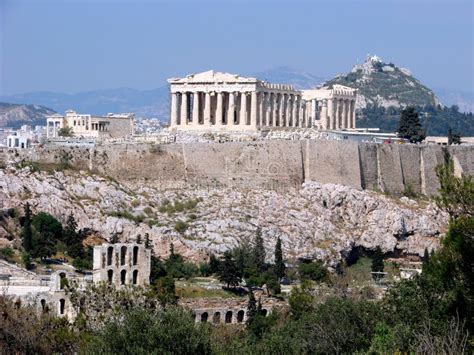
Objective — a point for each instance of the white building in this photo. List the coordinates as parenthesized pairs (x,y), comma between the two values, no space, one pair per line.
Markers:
(226,102)
(86,125)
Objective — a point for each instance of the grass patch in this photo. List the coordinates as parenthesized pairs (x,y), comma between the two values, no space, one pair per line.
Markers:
(180,226)
(185,290)
(178,206)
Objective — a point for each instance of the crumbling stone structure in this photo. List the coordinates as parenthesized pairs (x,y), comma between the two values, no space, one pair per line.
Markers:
(122,264)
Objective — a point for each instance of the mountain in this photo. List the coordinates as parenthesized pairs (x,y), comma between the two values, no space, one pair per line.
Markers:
(462,99)
(385,84)
(144,103)
(286,75)
(15,115)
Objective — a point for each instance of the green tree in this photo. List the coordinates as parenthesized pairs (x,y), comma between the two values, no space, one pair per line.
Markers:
(258,254)
(251,306)
(47,231)
(228,272)
(138,331)
(456,194)
(147,241)
(166,291)
(213,264)
(312,270)
(301,300)
(453,138)
(157,269)
(26,232)
(279,264)
(26,258)
(65,132)
(409,126)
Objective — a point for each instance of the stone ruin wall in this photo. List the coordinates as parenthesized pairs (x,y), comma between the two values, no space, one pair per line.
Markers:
(389,168)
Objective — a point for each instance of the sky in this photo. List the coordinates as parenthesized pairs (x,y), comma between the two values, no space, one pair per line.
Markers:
(71,45)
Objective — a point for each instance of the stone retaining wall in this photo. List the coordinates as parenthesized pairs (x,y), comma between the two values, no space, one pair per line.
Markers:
(276,164)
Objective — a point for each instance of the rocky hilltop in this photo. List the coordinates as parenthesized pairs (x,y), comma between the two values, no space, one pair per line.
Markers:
(315,221)
(384,84)
(15,115)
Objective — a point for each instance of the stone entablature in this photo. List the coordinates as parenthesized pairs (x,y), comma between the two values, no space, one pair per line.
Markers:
(227,102)
(122,264)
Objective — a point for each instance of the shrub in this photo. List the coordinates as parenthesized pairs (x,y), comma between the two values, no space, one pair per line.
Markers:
(7,253)
(180,226)
(314,270)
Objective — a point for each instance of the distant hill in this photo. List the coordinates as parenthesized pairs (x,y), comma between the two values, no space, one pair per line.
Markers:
(385,85)
(462,99)
(144,103)
(15,115)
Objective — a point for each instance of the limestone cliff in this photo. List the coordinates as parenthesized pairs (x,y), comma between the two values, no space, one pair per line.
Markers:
(315,221)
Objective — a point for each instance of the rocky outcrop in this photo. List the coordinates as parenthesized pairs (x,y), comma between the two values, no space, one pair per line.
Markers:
(323,221)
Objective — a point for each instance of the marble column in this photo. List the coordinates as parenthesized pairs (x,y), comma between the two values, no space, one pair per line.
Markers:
(324,115)
(269,113)
(263,109)
(289,110)
(353,115)
(207,109)
(330,114)
(219,109)
(231,109)
(195,108)
(338,113)
(243,109)
(184,108)
(253,109)
(174,111)
(276,102)
(313,110)
(294,118)
(281,101)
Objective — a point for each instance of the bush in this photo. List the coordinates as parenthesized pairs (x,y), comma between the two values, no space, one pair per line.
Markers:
(180,226)
(138,331)
(7,253)
(314,270)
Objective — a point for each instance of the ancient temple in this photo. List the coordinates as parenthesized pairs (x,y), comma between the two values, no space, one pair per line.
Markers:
(215,101)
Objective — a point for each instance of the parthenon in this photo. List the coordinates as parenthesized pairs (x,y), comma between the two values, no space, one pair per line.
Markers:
(228,102)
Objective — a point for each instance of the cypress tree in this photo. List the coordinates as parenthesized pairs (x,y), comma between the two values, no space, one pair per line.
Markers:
(279,264)
(26,233)
(251,307)
(259,253)
(409,126)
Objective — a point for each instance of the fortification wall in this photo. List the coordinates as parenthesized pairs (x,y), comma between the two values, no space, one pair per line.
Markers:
(275,164)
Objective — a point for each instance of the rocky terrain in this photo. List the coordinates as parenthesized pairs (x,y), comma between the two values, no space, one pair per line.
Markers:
(317,221)
(14,115)
(384,84)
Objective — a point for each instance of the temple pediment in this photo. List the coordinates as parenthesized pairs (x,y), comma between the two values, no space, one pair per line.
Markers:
(212,76)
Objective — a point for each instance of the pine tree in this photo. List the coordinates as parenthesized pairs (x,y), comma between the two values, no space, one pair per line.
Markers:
(409,126)
(228,272)
(26,232)
(251,307)
(259,253)
(279,264)
(213,264)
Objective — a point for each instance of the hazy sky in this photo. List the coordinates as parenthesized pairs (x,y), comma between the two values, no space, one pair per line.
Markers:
(71,46)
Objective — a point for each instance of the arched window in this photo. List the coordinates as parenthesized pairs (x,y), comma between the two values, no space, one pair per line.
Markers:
(110,276)
(123,252)
(110,253)
(62,303)
(228,317)
(135,277)
(240,316)
(123,276)
(135,255)
(204,317)
(216,318)
(62,280)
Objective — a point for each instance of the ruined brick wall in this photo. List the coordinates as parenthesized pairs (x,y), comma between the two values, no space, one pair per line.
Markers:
(274,164)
